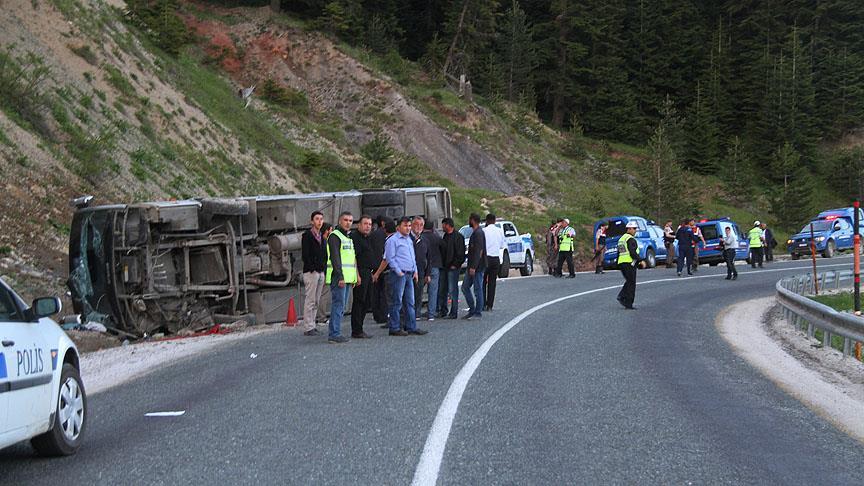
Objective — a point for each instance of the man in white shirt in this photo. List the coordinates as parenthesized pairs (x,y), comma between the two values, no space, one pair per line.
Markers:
(495,242)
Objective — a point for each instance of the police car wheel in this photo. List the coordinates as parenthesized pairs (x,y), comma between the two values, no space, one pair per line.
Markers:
(650,258)
(504,271)
(829,249)
(70,417)
(528,269)
(796,256)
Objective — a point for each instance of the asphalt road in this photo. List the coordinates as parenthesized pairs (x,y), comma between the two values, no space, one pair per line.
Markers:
(579,392)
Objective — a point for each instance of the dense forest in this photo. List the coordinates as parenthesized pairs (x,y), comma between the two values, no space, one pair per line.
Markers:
(758,93)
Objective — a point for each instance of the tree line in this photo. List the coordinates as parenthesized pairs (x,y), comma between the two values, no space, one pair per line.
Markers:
(748,90)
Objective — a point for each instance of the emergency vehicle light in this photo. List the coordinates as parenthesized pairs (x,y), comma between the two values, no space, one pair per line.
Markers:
(832,217)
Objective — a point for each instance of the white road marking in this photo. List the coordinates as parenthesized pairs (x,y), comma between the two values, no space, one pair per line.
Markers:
(429,465)
(165,414)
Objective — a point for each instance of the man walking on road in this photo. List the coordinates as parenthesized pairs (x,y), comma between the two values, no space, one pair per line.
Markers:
(453,249)
(421,253)
(757,240)
(628,259)
(495,242)
(730,244)
(399,255)
(435,267)
(312,249)
(365,267)
(566,237)
(685,238)
(476,268)
(341,274)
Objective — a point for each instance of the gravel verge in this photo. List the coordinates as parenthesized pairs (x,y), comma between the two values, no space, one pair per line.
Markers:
(823,379)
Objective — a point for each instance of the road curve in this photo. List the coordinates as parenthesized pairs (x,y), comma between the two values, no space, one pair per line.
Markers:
(580,391)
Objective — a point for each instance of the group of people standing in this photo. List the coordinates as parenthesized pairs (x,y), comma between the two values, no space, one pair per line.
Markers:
(560,243)
(388,265)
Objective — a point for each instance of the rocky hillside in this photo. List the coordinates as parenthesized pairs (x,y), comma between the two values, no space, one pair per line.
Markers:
(91,105)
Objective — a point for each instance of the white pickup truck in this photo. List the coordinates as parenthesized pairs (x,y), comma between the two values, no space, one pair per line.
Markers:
(519,252)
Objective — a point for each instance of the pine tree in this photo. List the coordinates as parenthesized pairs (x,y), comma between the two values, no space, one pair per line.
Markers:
(518,55)
(702,142)
(470,28)
(792,202)
(737,174)
(659,176)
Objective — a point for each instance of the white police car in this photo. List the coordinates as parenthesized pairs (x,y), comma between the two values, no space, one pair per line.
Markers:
(41,393)
(518,254)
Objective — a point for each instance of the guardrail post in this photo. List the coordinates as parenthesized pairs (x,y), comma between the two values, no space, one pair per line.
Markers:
(811,330)
(826,338)
(847,346)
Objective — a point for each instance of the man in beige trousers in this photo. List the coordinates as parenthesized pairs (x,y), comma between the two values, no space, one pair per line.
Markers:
(314,261)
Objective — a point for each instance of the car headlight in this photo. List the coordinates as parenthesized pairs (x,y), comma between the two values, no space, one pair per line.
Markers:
(788,242)
(820,238)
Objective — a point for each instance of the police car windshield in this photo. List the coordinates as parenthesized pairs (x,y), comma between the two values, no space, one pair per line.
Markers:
(820,225)
(466,231)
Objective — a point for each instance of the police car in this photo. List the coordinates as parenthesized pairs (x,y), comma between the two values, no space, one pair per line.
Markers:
(712,230)
(41,393)
(648,234)
(833,231)
(519,252)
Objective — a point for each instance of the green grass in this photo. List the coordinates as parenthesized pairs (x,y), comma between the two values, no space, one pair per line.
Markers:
(4,139)
(841,302)
(116,79)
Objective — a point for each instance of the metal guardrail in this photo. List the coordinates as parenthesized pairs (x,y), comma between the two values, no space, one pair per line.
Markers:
(799,309)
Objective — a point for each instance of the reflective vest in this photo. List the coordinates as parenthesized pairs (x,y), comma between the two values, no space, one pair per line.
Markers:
(623,253)
(755,235)
(348,257)
(565,240)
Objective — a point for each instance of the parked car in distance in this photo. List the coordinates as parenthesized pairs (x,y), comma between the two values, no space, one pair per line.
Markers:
(42,396)
(519,252)
(712,230)
(648,233)
(833,231)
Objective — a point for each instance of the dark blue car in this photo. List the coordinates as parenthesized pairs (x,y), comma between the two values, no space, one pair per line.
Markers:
(648,234)
(833,231)
(712,230)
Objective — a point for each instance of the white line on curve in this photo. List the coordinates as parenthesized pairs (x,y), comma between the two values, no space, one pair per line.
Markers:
(429,465)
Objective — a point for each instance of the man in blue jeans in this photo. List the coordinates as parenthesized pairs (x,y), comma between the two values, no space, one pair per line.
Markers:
(341,274)
(453,256)
(399,254)
(476,268)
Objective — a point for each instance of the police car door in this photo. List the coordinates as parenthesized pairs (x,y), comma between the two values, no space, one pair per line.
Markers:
(25,376)
(844,233)
(515,247)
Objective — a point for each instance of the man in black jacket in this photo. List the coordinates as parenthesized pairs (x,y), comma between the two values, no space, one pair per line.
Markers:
(422,255)
(365,266)
(313,252)
(379,294)
(476,268)
(435,266)
(452,258)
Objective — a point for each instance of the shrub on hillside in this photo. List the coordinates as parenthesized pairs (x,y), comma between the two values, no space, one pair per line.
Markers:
(276,93)
(21,94)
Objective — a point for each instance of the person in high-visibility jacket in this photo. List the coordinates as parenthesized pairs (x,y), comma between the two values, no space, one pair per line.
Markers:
(566,237)
(628,260)
(757,240)
(341,274)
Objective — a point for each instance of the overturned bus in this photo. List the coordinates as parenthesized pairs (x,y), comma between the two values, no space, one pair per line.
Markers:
(168,266)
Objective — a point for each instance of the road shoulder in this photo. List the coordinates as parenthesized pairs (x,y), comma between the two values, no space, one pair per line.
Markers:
(825,381)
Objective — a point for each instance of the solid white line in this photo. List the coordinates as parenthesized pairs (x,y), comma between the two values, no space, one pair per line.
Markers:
(429,466)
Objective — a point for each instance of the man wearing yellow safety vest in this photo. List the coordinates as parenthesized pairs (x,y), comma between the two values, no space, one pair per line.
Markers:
(566,237)
(757,240)
(341,274)
(628,259)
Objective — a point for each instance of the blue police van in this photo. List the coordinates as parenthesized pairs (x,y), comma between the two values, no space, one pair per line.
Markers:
(712,230)
(648,234)
(833,231)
